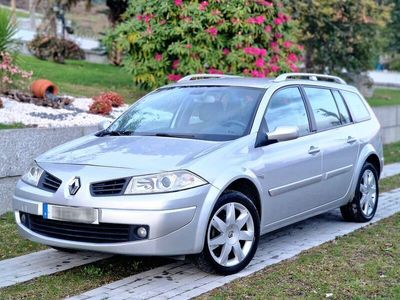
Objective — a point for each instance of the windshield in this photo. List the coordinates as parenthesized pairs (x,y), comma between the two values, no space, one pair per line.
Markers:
(199,112)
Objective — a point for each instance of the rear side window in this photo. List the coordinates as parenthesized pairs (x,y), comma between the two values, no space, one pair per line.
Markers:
(323,105)
(356,106)
(286,108)
(343,111)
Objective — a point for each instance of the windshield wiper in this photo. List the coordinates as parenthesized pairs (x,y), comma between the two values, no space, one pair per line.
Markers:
(115,133)
(183,136)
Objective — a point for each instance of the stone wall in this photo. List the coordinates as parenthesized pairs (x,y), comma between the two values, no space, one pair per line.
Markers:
(19,147)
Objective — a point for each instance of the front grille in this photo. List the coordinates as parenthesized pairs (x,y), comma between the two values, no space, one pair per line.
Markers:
(109,188)
(49,182)
(90,233)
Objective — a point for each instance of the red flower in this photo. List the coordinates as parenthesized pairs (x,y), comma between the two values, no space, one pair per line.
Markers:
(214,71)
(226,51)
(175,64)
(268,28)
(278,35)
(292,57)
(274,68)
(158,57)
(139,18)
(256,73)
(256,20)
(178,2)
(287,44)
(212,31)
(294,68)
(278,21)
(203,5)
(174,77)
(188,46)
(263,2)
(259,62)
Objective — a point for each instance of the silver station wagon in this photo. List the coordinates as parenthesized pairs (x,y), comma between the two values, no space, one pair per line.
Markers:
(203,167)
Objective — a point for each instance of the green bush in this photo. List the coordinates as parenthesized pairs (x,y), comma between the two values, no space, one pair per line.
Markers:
(7,30)
(49,47)
(165,40)
(340,35)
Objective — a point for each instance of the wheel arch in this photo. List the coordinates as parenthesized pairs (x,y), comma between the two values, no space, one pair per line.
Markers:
(249,189)
(367,154)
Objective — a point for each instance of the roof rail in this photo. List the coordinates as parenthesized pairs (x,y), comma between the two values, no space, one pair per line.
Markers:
(310,76)
(205,76)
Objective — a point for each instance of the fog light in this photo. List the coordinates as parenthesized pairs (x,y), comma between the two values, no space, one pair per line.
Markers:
(141,232)
(23,219)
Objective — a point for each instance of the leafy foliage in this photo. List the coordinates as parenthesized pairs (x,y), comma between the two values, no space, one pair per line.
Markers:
(165,40)
(49,47)
(7,30)
(340,34)
(393,28)
(115,99)
(11,76)
(100,106)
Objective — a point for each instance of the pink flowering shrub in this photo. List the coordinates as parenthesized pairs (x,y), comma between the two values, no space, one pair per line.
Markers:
(11,76)
(164,41)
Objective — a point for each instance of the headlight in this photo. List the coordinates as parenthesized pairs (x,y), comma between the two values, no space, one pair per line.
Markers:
(164,182)
(33,175)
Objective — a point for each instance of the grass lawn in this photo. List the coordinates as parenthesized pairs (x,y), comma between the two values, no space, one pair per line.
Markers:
(11,126)
(391,153)
(361,265)
(80,78)
(15,245)
(80,279)
(385,96)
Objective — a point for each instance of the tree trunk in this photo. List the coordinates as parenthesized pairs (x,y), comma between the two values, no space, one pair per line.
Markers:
(13,11)
(32,13)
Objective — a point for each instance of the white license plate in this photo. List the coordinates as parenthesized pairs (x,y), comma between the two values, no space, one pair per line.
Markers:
(71,214)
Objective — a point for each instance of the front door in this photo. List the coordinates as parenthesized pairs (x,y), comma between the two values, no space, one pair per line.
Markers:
(291,169)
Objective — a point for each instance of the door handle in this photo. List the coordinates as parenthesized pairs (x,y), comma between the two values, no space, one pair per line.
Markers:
(351,140)
(313,150)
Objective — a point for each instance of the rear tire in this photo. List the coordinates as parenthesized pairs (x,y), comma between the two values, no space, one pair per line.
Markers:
(365,202)
(232,235)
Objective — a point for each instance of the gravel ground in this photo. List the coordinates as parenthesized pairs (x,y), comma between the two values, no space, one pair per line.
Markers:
(75,114)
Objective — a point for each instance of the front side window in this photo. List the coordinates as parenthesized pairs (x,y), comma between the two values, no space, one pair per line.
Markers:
(286,108)
(199,112)
(324,108)
(356,106)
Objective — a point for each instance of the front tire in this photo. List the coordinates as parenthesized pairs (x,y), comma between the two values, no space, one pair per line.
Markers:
(232,235)
(365,201)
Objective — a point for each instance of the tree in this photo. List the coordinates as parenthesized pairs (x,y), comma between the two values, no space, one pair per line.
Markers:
(340,35)
(165,40)
(394,29)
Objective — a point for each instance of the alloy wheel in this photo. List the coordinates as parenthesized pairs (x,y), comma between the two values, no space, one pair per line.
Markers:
(230,234)
(368,192)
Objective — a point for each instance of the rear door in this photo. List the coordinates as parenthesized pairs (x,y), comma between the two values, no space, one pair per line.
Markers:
(337,140)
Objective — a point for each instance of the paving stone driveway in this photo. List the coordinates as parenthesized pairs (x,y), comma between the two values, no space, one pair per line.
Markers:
(183,281)
(26,267)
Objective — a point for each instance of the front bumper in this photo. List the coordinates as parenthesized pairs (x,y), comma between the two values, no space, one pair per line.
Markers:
(175,224)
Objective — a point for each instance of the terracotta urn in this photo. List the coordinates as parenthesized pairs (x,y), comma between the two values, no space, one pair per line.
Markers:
(41,87)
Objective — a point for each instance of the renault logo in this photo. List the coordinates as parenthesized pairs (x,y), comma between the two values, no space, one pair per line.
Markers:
(74,186)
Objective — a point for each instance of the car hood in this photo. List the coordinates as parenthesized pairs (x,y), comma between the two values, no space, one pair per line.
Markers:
(146,153)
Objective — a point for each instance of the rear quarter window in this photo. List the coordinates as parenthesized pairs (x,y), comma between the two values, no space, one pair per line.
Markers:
(357,106)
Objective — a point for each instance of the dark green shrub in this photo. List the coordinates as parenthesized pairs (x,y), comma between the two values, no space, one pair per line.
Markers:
(56,49)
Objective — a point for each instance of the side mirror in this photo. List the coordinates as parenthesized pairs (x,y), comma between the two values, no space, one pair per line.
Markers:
(103,125)
(284,133)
